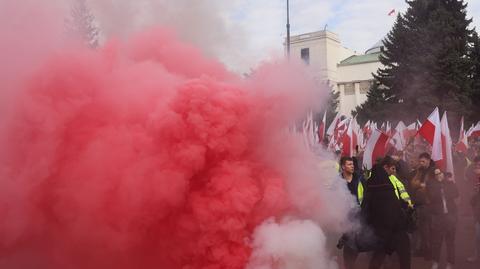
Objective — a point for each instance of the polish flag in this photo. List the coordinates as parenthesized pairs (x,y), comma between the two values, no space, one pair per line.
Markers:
(392,12)
(399,138)
(349,140)
(375,148)
(411,130)
(366,127)
(333,125)
(360,136)
(431,130)
(475,131)
(357,132)
(388,129)
(321,128)
(469,132)
(340,130)
(446,163)
(462,145)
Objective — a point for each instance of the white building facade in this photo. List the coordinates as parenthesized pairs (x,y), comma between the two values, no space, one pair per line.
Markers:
(346,71)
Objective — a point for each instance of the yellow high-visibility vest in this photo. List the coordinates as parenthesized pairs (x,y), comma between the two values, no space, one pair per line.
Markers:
(400,190)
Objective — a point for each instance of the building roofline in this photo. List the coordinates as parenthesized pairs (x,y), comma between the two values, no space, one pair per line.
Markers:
(314,35)
(346,62)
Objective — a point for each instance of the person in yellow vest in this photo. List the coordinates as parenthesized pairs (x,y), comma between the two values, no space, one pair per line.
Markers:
(356,184)
(383,205)
(399,187)
(354,181)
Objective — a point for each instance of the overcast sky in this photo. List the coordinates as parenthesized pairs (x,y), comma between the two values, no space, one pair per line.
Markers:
(242,33)
(360,23)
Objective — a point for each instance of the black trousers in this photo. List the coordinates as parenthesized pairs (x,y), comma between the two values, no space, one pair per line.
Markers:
(423,233)
(443,230)
(401,243)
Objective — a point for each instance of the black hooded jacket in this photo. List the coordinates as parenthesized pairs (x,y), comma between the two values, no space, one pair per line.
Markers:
(381,208)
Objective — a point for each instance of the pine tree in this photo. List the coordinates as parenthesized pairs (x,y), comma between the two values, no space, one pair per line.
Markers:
(474,56)
(332,105)
(425,63)
(81,25)
(374,108)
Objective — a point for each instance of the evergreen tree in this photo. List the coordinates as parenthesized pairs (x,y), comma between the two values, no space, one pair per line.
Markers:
(425,64)
(332,105)
(374,108)
(474,56)
(81,24)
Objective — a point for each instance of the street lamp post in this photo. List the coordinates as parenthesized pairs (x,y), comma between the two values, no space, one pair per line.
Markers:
(288,29)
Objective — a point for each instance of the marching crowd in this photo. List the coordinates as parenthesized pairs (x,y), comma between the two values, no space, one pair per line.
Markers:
(409,206)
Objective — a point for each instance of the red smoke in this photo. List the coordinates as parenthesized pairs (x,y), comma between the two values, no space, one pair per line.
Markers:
(139,155)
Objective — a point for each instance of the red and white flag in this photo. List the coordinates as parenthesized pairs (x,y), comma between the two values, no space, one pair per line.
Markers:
(359,133)
(375,148)
(475,131)
(321,128)
(333,125)
(366,127)
(462,145)
(341,128)
(411,131)
(399,140)
(446,163)
(431,130)
(382,127)
(388,129)
(392,12)
(350,139)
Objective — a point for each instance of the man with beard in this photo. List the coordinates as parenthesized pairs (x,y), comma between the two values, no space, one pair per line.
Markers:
(442,193)
(418,183)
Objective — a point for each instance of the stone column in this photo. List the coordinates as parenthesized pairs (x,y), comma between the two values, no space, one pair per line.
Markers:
(341,105)
(358,101)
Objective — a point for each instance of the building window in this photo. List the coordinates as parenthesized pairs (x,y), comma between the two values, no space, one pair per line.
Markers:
(305,55)
(349,88)
(365,86)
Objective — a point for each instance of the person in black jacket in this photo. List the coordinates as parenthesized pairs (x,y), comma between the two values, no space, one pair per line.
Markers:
(382,210)
(442,192)
(475,202)
(353,178)
(417,189)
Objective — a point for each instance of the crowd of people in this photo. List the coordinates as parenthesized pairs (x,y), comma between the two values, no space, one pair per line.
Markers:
(408,206)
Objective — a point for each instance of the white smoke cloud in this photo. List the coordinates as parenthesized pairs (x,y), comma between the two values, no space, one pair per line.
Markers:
(205,23)
(322,206)
(290,244)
